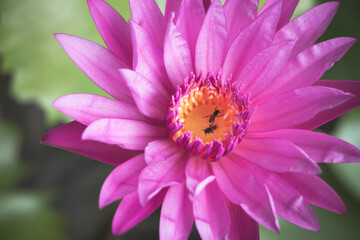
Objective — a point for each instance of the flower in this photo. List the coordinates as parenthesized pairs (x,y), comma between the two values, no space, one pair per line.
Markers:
(211,116)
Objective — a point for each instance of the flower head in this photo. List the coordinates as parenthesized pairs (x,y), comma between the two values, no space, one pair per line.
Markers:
(211,116)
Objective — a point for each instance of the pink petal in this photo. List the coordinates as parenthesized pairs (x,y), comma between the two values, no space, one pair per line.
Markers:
(159,175)
(172,6)
(130,212)
(264,68)
(68,137)
(287,10)
(211,213)
(87,108)
(242,188)
(160,150)
(295,107)
(147,14)
(122,181)
(151,99)
(307,28)
(289,204)
(109,21)
(86,54)
(254,38)
(319,146)
(189,22)
(176,218)
(148,58)
(196,171)
(242,226)
(128,134)
(275,154)
(315,191)
(239,14)
(177,56)
(352,87)
(309,66)
(211,44)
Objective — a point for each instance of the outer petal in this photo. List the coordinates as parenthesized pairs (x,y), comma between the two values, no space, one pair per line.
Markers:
(160,150)
(242,188)
(318,146)
(329,114)
(196,171)
(189,22)
(211,214)
(242,226)
(210,54)
(288,8)
(131,213)
(87,108)
(289,204)
(147,14)
(177,56)
(264,68)
(239,14)
(256,37)
(151,99)
(307,28)
(176,218)
(159,175)
(309,66)
(109,22)
(68,137)
(172,6)
(315,191)
(148,58)
(122,181)
(129,134)
(275,154)
(86,54)
(295,107)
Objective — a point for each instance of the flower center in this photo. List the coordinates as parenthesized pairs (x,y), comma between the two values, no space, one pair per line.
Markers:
(208,117)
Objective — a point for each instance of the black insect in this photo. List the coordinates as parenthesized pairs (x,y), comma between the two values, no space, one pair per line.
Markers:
(214,115)
(210,129)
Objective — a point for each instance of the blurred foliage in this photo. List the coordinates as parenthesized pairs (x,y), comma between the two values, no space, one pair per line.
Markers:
(9,148)
(40,68)
(23,214)
(349,130)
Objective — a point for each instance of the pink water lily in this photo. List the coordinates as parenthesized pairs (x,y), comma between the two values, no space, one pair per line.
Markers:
(211,116)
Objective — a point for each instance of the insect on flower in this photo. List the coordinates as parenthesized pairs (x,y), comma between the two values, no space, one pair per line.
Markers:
(210,129)
(214,115)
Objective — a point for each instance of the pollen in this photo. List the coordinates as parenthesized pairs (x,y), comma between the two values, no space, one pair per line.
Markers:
(208,117)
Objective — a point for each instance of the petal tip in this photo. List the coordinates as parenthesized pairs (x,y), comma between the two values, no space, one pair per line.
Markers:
(57,103)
